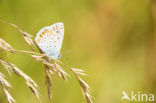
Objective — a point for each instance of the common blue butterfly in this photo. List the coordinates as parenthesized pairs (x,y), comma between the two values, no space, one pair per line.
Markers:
(49,39)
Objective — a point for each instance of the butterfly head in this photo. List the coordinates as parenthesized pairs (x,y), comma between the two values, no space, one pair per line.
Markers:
(55,56)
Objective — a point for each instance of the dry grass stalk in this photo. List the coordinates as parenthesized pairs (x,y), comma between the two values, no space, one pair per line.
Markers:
(85,89)
(30,83)
(40,58)
(4,83)
(29,53)
(9,97)
(6,66)
(79,71)
(26,36)
(48,83)
(60,72)
(84,85)
(48,65)
(5,46)
(50,68)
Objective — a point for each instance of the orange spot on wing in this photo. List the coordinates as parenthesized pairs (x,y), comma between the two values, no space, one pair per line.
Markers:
(41,36)
(46,31)
(39,40)
(43,33)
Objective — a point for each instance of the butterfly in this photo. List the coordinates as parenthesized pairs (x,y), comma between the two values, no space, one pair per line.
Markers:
(49,39)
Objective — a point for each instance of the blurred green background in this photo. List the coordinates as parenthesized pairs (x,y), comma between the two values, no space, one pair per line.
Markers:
(112,40)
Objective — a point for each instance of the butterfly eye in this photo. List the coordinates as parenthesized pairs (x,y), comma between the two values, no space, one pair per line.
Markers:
(59,56)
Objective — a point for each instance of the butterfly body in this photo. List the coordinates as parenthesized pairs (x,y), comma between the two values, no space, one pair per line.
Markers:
(49,39)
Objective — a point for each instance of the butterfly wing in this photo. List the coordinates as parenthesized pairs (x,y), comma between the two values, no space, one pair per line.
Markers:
(49,39)
(58,34)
